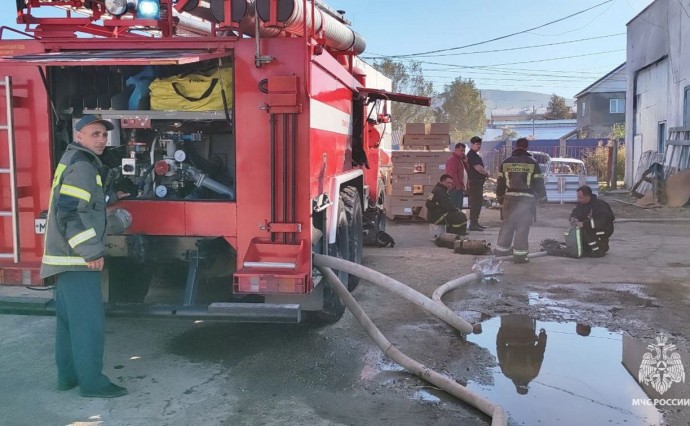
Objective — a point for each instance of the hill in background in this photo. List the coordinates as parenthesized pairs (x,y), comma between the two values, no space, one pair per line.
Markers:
(509,99)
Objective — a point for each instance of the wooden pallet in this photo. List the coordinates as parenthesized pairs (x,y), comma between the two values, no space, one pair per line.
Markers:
(677,153)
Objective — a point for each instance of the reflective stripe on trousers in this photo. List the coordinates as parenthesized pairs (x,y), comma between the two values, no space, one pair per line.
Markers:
(517,219)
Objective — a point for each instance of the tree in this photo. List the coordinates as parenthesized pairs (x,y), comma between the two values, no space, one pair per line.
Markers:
(507,134)
(617,131)
(462,106)
(407,79)
(557,108)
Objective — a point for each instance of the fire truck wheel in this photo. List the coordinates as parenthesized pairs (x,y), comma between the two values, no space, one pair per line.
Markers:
(333,307)
(353,210)
(381,205)
(128,282)
(376,216)
(381,196)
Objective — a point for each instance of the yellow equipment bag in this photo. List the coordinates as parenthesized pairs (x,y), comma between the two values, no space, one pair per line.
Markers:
(193,92)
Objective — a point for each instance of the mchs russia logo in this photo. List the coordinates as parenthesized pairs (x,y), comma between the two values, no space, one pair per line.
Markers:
(661,366)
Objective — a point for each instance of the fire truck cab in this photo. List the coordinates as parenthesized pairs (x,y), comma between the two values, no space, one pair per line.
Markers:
(245,139)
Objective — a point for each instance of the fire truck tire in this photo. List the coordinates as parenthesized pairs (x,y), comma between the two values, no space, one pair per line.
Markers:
(376,215)
(333,307)
(353,210)
(381,205)
(128,282)
(381,196)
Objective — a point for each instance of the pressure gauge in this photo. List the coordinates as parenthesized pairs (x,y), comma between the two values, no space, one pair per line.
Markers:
(180,156)
(161,191)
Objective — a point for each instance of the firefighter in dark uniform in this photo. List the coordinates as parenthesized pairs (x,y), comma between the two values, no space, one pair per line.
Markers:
(441,210)
(520,350)
(595,218)
(74,253)
(520,185)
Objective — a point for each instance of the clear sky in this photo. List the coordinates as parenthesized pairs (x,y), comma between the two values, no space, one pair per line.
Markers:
(582,48)
(411,27)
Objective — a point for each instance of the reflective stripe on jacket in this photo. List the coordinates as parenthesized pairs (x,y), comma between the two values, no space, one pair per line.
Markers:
(596,215)
(76,214)
(520,175)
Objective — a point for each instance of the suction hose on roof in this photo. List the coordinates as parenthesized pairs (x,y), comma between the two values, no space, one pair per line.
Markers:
(498,416)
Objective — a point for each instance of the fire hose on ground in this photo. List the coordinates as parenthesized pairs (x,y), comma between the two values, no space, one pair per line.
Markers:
(466,279)
(324,265)
(438,310)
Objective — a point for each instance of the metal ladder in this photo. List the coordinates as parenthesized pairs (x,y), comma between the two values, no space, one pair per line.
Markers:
(13,213)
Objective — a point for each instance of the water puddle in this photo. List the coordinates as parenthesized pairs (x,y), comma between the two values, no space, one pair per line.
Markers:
(572,374)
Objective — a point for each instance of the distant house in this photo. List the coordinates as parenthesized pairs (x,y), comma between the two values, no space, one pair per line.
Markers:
(602,104)
(537,129)
(526,122)
(499,115)
(658,80)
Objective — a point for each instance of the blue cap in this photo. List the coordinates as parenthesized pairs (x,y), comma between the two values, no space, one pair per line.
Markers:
(90,119)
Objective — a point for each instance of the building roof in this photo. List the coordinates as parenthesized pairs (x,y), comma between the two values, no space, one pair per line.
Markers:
(606,77)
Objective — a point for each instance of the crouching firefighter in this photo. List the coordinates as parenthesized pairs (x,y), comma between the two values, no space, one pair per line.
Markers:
(595,219)
(441,210)
(519,185)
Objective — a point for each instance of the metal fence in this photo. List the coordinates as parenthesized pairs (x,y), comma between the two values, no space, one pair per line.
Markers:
(494,152)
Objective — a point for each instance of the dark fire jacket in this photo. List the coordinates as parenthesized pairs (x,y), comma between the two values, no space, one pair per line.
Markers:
(438,204)
(596,215)
(520,175)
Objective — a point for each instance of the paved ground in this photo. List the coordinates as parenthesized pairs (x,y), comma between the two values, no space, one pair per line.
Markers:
(181,373)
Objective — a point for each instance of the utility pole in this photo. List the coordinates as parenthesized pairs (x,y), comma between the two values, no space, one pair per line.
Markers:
(534,112)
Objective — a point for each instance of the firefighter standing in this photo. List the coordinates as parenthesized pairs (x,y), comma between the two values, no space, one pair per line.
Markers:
(441,210)
(595,218)
(520,185)
(74,252)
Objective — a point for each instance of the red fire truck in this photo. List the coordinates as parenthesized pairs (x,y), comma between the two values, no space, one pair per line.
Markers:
(226,203)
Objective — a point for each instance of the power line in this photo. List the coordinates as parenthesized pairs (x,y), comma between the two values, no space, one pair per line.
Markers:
(580,71)
(519,78)
(483,79)
(522,62)
(502,37)
(684,9)
(506,49)
(576,29)
(525,72)
(493,73)
(496,68)
(535,86)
